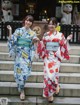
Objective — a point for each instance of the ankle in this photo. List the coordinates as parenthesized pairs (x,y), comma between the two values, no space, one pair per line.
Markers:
(57,89)
(50,99)
(22,91)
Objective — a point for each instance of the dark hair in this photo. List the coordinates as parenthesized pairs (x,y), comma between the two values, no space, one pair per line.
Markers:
(54,21)
(28,17)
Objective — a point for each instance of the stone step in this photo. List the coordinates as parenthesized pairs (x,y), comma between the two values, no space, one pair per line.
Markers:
(35,89)
(14,100)
(5,57)
(3,47)
(8,76)
(73,59)
(75,50)
(60,101)
(38,66)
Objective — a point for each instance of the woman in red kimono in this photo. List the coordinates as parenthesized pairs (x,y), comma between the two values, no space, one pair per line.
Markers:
(52,49)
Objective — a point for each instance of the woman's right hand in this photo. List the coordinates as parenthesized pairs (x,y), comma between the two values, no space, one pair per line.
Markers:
(69,37)
(10,30)
(9,27)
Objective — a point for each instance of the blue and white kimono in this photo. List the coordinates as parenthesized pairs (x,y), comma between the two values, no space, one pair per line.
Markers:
(21,46)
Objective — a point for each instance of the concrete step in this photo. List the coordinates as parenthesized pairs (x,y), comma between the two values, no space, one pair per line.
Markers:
(60,101)
(73,59)
(3,47)
(5,57)
(38,66)
(35,89)
(14,100)
(75,50)
(8,76)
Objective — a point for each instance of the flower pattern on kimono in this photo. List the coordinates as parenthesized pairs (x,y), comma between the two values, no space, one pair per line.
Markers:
(23,55)
(19,70)
(52,61)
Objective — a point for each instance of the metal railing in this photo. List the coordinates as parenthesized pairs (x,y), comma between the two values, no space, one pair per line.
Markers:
(4,30)
(65,29)
(74,29)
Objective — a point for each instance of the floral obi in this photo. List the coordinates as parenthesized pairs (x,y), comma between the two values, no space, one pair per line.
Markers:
(25,42)
(52,46)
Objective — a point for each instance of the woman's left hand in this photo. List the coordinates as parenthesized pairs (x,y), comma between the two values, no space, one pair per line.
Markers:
(36,40)
(69,37)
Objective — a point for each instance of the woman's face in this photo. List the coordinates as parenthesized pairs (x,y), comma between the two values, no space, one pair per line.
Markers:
(28,23)
(51,26)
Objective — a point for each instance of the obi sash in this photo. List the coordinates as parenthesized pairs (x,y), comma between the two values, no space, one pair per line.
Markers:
(25,42)
(52,46)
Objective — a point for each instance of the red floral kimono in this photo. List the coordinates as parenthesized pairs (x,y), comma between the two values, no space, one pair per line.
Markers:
(52,60)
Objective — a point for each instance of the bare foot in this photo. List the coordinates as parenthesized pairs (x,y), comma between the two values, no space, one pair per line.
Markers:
(50,99)
(57,90)
(22,96)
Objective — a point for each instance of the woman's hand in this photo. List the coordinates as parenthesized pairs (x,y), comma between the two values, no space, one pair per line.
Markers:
(62,42)
(36,40)
(10,30)
(69,37)
(9,27)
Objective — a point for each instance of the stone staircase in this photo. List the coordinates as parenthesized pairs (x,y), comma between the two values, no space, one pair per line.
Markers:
(69,80)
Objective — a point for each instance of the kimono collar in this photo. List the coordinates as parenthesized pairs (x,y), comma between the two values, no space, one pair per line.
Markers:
(26,30)
(29,31)
(54,33)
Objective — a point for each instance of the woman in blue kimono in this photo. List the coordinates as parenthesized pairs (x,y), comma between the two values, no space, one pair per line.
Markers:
(22,43)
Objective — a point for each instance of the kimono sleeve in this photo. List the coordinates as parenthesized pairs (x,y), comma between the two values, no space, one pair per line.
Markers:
(12,43)
(41,48)
(35,36)
(64,48)
(33,48)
